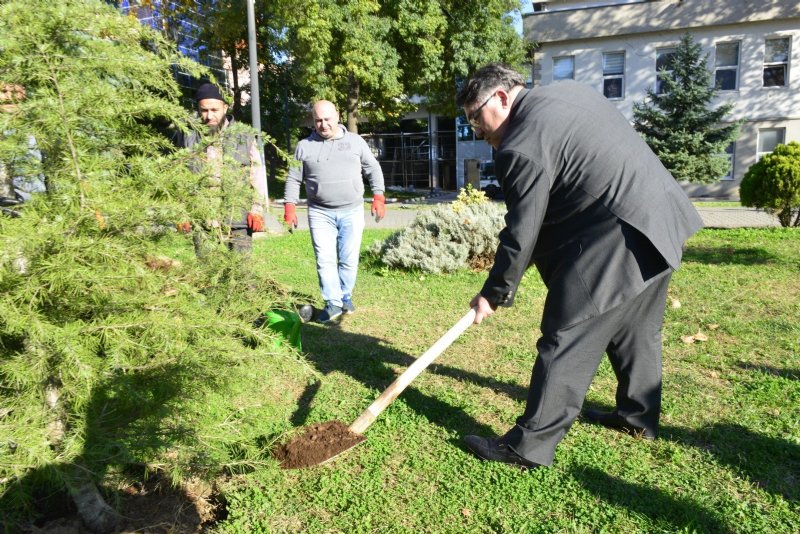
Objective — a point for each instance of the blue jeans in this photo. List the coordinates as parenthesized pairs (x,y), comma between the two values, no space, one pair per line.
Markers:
(336,237)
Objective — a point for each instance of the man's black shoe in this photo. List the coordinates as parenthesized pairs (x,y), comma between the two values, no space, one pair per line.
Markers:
(615,421)
(491,449)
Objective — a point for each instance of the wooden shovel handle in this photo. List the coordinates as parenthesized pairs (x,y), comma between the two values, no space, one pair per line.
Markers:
(391,393)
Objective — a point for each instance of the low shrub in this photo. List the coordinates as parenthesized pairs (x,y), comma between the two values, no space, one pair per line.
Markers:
(773,184)
(446,238)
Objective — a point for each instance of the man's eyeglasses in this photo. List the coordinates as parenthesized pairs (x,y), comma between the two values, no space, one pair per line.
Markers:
(473,117)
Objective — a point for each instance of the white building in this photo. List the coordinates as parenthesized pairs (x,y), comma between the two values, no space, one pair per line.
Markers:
(617,47)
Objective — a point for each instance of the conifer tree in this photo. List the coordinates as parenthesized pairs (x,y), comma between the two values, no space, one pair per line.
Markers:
(687,135)
(109,346)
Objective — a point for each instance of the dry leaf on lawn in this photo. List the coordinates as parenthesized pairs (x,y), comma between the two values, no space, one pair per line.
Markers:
(699,336)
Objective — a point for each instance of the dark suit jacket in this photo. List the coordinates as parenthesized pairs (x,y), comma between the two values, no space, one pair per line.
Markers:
(588,203)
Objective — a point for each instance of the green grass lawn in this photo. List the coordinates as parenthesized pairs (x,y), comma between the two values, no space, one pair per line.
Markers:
(728,459)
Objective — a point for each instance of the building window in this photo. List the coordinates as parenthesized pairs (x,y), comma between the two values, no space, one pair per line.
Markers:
(730,152)
(664,59)
(614,74)
(726,63)
(464,131)
(776,62)
(563,68)
(768,139)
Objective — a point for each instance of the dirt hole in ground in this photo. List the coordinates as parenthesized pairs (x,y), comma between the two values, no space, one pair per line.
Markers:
(318,443)
(153,506)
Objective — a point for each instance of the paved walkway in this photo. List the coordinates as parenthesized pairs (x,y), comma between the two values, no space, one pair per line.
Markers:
(399,215)
(736,218)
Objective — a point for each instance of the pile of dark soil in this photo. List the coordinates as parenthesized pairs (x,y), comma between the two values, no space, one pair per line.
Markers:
(319,442)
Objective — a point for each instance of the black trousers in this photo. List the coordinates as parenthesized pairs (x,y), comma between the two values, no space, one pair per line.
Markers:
(568,359)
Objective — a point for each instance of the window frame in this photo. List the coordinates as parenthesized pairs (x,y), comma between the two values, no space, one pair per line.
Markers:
(614,76)
(761,153)
(734,68)
(730,153)
(774,64)
(571,58)
(464,131)
(658,85)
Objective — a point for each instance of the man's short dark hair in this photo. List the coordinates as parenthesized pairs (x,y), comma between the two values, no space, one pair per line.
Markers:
(486,79)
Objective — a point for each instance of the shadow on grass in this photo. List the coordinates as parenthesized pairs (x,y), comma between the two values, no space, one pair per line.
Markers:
(790,374)
(672,513)
(370,361)
(300,416)
(728,255)
(770,463)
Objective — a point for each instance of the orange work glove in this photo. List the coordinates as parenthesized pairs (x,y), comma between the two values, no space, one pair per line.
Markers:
(255,222)
(379,207)
(184,227)
(289,215)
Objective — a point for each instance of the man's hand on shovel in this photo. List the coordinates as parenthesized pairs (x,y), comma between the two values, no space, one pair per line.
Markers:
(482,308)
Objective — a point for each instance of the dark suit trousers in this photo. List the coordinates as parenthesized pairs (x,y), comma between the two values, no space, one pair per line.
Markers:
(568,359)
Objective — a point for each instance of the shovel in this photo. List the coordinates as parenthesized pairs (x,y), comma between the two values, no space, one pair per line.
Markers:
(322,442)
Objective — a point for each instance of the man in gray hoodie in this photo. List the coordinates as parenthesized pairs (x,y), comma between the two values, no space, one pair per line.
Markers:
(332,162)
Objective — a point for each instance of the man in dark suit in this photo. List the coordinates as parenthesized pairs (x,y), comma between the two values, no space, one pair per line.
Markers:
(604,222)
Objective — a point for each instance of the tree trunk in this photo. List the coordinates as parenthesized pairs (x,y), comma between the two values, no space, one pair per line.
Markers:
(352,104)
(92,508)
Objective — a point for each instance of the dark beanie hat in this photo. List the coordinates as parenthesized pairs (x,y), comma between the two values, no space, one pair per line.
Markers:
(208,90)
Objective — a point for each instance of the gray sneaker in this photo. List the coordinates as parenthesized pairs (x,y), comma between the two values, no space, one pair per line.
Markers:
(347,306)
(329,314)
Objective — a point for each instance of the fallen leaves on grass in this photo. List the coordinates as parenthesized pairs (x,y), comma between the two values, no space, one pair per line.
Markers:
(699,336)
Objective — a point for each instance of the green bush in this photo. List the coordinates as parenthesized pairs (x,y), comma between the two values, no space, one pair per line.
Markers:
(773,184)
(447,237)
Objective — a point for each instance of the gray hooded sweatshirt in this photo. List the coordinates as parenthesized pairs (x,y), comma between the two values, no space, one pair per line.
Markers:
(332,169)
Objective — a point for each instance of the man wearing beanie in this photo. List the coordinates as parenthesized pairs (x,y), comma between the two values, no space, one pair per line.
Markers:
(332,162)
(226,149)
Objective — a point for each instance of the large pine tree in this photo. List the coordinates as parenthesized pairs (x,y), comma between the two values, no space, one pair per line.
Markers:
(112,352)
(688,136)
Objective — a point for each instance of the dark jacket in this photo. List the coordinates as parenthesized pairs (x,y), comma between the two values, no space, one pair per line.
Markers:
(588,203)
(239,147)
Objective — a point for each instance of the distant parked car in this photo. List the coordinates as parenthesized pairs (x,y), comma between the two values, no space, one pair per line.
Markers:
(489,183)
